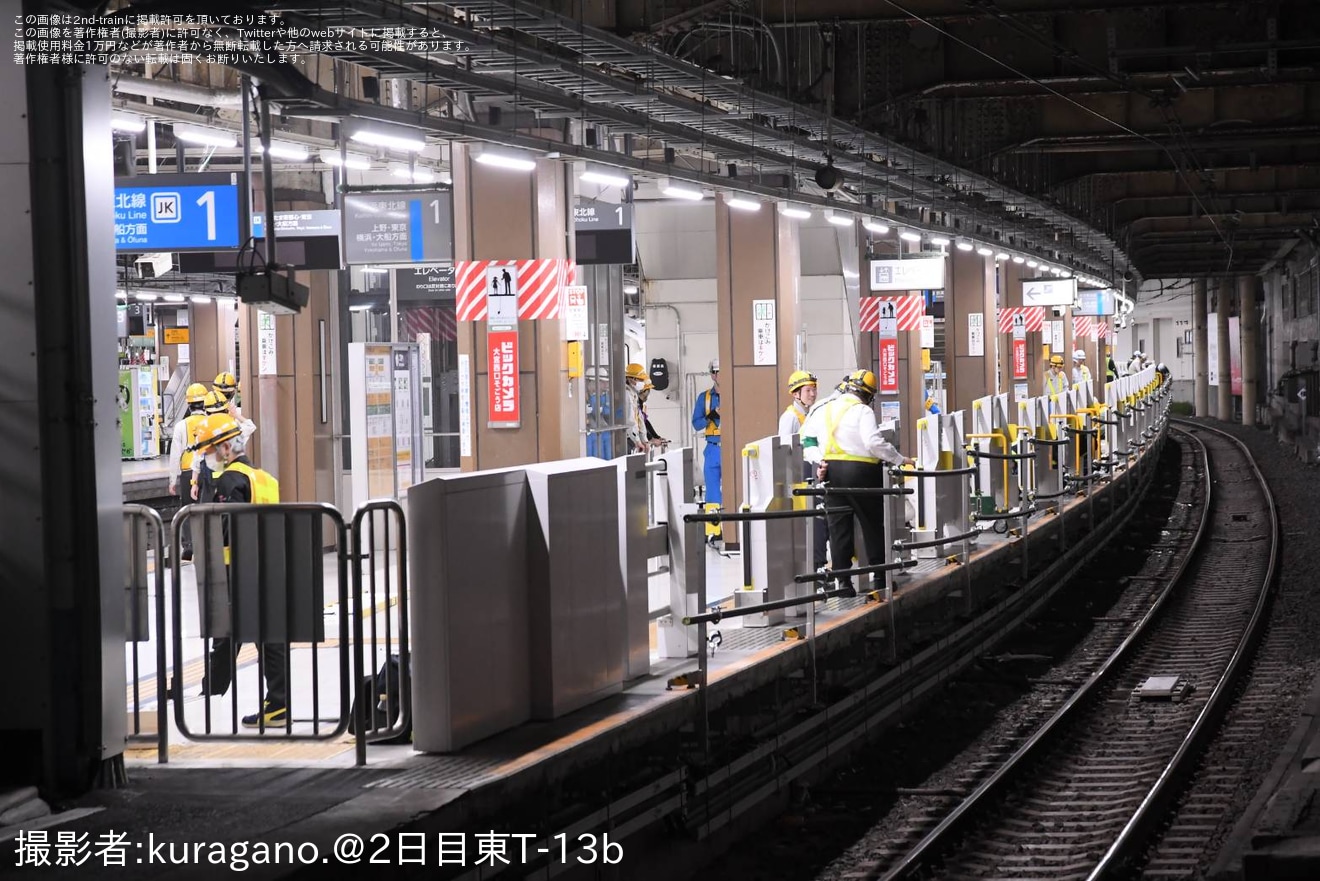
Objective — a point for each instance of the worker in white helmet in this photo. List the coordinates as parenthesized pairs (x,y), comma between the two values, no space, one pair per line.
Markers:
(1081,374)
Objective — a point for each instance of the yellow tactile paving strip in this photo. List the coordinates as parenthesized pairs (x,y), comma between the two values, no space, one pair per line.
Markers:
(255,747)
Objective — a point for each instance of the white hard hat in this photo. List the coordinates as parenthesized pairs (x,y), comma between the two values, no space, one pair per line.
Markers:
(1079,355)
(714,365)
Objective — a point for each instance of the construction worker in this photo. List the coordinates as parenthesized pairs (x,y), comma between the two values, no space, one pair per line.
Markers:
(653,438)
(181,458)
(203,482)
(226,384)
(634,378)
(601,416)
(238,482)
(845,440)
(1137,363)
(1081,374)
(1111,369)
(803,386)
(706,419)
(1056,381)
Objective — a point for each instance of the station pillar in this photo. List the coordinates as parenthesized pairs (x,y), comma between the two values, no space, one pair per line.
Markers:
(756,275)
(968,290)
(511,215)
(1200,348)
(1249,327)
(62,560)
(1010,295)
(1223,304)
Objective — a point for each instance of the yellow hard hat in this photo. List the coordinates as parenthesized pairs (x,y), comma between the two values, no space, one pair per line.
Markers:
(799,379)
(215,429)
(635,371)
(226,382)
(1056,360)
(862,382)
(195,393)
(215,402)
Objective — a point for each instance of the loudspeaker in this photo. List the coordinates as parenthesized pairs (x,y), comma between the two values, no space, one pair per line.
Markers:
(371,88)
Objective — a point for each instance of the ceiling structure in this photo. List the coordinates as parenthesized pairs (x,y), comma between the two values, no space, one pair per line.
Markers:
(1116,137)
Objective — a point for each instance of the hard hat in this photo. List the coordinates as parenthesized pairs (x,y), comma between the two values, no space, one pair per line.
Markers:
(226,382)
(714,365)
(1056,360)
(635,371)
(215,429)
(195,393)
(799,379)
(1161,368)
(1079,355)
(862,382)
(215,402)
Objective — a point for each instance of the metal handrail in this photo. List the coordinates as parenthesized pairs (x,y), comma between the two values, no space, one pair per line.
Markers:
(935,543)
(828,574)
(825,490)
(1005,515)
(1049,442)
(1089,432)
(950,472)
(157,526)
(755,516)
(1013,457)
(715,616)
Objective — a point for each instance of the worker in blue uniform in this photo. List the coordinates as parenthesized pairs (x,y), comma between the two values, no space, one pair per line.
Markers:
(706,419)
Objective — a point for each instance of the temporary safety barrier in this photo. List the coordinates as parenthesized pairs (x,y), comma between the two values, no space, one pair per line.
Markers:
(144,581)
(384,701)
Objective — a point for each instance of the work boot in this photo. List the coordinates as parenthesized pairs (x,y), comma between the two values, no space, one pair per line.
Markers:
(272,715)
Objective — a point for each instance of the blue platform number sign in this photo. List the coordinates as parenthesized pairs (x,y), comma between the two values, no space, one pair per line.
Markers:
(177,212)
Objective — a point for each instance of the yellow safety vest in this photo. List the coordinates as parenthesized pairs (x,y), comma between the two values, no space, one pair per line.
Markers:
(265,488)
(833,415)
(1053,387)
(801,417)
(190,424)
(712,427)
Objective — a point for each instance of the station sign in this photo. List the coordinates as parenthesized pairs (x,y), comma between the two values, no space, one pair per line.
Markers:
(323,222)
(1049,291)
(1100,302)
(426,283)
(398,227)
(305,240)
(177,212)
(912,274)
(603,233)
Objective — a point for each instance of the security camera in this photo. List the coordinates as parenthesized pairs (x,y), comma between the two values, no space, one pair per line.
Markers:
(829,178)
(154,265)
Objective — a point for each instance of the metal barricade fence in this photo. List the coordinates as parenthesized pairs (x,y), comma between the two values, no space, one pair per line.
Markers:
(383,708)
(260,580)
(144,623)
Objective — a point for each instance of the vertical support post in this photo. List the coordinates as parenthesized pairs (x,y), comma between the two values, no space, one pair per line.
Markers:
(1225,397)
(1200,343)
(1249,327)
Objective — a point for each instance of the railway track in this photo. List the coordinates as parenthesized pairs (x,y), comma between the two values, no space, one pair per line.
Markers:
(1082,796)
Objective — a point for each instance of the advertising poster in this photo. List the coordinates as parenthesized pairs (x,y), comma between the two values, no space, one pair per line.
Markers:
(888,349)
(502,361)
(1234,356)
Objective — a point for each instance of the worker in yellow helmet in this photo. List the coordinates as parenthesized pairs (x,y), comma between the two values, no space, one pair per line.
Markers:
(241,483)
(653,438)
(203,481)
(635,377)
(845,440)
(706,419)
(225,387)
(181,457)
(1056,381)
(804,387)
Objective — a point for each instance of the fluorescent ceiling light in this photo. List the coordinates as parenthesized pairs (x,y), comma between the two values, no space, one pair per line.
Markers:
(1001,256)
(606,179)
(939,241)
(122,123)
(984,251)
(121,294)
(208,137)
(360,307)
(360,163)
(1056,271)
(743,204)
(1018,258)
(795,213)
(200,298)
(630,289)
(374,270)
(383,139)
(908,235)
(840,219)
(296,152)
(175,298)
(416,175)
(1032,264)
(680,191)
(147,298)
(875,227)
(501,160)
(964,245)
(1066,273)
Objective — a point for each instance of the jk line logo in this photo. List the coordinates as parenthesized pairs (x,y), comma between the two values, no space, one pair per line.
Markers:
(165,207)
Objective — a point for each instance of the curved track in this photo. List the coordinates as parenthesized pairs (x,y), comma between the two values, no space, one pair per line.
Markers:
(1080,797)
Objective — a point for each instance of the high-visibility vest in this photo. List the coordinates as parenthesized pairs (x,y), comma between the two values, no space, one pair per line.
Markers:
(1053,385)
(712,427)
(833,415)
(265,488)
(190,423)
(801,416)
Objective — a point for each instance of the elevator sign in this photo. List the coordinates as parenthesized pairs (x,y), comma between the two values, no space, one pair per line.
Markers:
(177,212)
